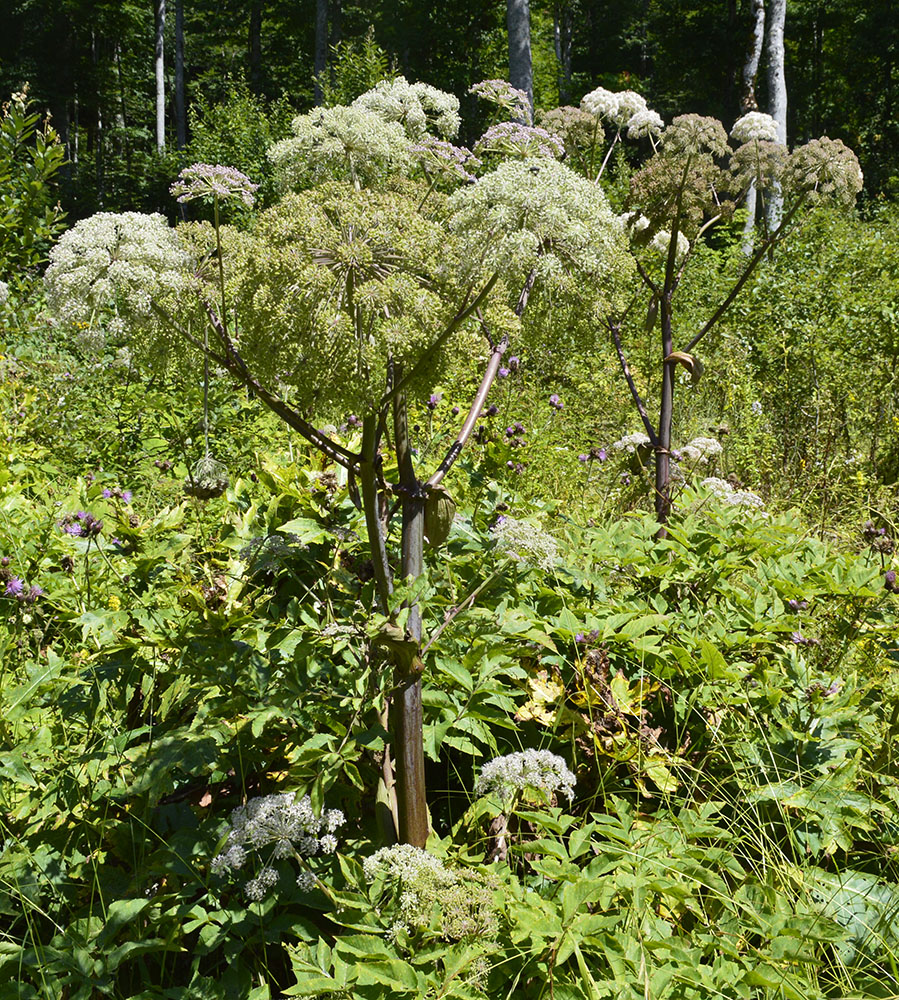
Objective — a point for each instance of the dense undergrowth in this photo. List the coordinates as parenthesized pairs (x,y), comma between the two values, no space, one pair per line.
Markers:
(656,767)
(727,700)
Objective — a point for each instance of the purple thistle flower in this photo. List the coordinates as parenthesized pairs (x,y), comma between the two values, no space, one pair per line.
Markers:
(583,458)
(600,455)
(889,581)
(15,587)
(107,493)
(492,410)
(73,529)
(455,411)
(519,427)
(434,400)
(514,362)
(510,464)
(580,639)
(127,495)
(795,605)
(34,593)
(510,432)
(81,515)
(352,420)
(116,541)
(503,373)
(800,640)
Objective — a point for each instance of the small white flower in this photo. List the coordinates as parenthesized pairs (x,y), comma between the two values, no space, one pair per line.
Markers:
(525,541)
(4,292)
(306,881)
(701,449)
(754,126)
(529,769)
(644,123)
(631,442)
(757,407)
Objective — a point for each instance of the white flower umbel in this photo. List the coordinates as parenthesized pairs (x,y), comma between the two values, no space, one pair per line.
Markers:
(515,139)
(631,442)
(284,826)
(601,103)
(340,143)
(662,241)
(4,292)
(723,491)
(505,96)
(754,125)
(529,770)
(211,181)
(644,123)
(417,876)
(418,107)
(124,260)
(525,541)
(701,449)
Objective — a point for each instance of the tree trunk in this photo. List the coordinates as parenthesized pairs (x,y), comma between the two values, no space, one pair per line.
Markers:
(562,36)
(99,138)
(748,102)
(160,75)
(256,46)
(521,72)
(180,109)
(321,49)
(777,94)
(408,743)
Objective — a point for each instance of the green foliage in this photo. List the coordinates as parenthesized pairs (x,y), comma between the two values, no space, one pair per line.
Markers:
(356,65)
(238,132)
(30,158)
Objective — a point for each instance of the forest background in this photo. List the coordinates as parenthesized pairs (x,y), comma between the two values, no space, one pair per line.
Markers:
(655,763)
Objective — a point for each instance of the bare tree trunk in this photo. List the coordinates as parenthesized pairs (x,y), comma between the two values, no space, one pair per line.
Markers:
(180,110)
(777,94)
(160,75)
(748,102)
(99,139)
(562,35)
(256,46)
(321,49)
(521,72)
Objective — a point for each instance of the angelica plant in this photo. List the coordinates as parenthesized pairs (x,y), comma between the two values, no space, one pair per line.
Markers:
(349,294)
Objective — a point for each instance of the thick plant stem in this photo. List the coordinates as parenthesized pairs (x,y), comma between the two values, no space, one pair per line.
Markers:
(666,413)
(408,736)
(368,480)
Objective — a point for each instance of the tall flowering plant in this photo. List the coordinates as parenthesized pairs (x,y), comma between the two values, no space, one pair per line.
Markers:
(349,294)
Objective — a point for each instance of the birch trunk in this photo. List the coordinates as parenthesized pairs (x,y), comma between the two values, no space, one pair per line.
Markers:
(777,94)
(160,75)
(748,102)
(521,73)
(180,110)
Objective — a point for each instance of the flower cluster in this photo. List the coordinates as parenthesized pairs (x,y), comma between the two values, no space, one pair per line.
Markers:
(116,493)
(126,260)
(694,135)
(81,525)
(4,292)
(504,95)
(631,442)
(538,214)
(701,449)
(577,129)
(644,123)
(440,156)
(340,143)
(662,241)
(798,639)
(825,169)
(205,180)
(753,127)
(620,108)
(556,403)
(595,454)
(515,139)
(290,827)
(418,881)
(418,107)
(525,541)
(15,587)
(528,770)
(723,491)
